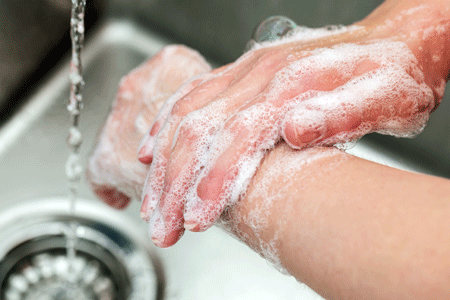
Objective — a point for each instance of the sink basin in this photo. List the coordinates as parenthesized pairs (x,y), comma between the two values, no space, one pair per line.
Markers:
(33,152)
(209,265)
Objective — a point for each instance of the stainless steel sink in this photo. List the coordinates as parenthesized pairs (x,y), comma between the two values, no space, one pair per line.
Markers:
(210,265)
(33,151)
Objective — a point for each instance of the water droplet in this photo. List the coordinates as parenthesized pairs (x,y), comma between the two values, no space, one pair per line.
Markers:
(273,28)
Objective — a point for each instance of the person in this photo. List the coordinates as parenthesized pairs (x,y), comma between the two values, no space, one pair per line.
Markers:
(224,149)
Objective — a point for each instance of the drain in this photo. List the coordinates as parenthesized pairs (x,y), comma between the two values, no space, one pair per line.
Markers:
(40,269)
(111,263)
(47,276)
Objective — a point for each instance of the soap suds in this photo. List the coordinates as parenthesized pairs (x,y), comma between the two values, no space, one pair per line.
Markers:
(362,88)
(255,227)
(113,165)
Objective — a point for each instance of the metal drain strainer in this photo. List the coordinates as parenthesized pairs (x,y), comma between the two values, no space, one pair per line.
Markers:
(110,263)
(46,276)
(54,275)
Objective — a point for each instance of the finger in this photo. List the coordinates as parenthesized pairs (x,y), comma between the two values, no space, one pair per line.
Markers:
(233,160)
(185,164)
(214,113)
(194,100)
(111,196)
(145,152)
(159,233)
(155,178)
(179,63)
(387,100)
(158,175)
(171,205)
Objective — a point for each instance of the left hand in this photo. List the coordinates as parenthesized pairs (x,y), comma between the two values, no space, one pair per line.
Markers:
(114,172)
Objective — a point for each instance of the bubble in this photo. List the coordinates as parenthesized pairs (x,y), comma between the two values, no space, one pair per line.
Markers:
(271,29)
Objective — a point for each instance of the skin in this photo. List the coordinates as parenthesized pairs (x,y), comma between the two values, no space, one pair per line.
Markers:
(347,227)
(359,231)
(185,191)
(114,172)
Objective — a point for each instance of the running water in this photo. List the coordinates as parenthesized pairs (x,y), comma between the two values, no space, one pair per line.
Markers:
(73,165)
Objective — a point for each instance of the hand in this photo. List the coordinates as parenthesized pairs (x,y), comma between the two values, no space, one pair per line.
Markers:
(309,90)
(114,172)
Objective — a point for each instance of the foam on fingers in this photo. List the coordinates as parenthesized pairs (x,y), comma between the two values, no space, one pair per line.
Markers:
(145,151)
(387,100)
(184,113)
(252,220)
(323,96)
(162,235)
(230,163)
(113,172)
(303,127)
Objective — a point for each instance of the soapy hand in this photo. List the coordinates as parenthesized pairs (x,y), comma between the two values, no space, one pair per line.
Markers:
(317,87)
(114,172)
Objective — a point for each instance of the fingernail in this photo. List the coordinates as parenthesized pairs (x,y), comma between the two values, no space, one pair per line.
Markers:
(158,242)
(145,155)
(142,151)
(155,129)
(190,225)
(112,196)
(145,152)
(144,209)
(157,228)
(304,128)
(308,135)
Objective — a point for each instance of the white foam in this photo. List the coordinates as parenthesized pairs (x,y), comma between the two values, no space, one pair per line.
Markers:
(264,197)
(396,83)
(141,124)
(212,130)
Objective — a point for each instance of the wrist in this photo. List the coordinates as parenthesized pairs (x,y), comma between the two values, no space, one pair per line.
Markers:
(269,212)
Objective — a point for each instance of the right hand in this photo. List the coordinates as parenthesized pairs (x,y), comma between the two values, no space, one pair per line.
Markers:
(206,146)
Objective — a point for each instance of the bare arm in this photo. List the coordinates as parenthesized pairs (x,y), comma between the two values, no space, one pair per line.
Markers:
(347,227)
(386,73)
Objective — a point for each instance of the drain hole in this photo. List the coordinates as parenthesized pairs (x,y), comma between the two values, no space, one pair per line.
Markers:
(40,269)
(111,262)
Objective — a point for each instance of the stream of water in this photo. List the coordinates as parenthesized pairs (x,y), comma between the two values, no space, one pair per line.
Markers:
(74,168)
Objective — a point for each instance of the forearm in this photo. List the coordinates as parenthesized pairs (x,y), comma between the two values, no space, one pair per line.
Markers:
(349,228)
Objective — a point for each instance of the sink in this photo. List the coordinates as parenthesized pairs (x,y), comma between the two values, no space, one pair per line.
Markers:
(33,152)
(209,265)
